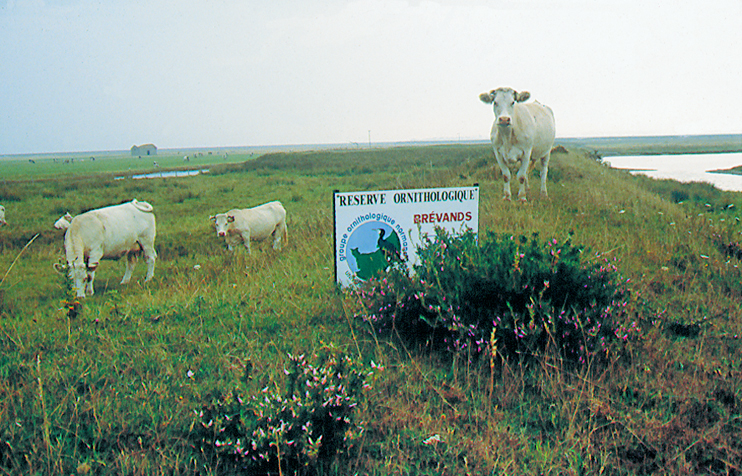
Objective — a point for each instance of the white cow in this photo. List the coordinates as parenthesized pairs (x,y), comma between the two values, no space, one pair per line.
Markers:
(111,233)
(64,222)
(256,223)
(522,134)
(2,216)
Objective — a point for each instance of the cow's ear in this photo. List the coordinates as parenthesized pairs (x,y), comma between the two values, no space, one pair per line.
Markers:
(486,98)
(212,217)
(230,218)
(522,96)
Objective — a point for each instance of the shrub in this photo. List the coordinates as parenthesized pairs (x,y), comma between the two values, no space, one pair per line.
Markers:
(8,196)
(301,432)
(511,295)
(728,246)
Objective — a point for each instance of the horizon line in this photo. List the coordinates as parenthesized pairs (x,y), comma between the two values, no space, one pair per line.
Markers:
(367,145)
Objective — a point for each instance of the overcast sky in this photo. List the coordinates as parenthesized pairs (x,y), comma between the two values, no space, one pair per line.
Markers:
(84,75)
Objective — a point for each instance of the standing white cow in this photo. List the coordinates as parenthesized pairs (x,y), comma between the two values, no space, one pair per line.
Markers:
(2,216)
(522,134)
(110,233)
(256,223)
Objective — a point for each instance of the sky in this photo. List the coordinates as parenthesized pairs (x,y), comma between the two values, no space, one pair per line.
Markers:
(85,75)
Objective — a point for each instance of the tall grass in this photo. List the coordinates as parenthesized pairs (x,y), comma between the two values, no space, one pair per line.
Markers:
(116,389)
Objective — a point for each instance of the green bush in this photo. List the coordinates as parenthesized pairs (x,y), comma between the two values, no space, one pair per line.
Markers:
(730,247)
(513,296)
(301,432)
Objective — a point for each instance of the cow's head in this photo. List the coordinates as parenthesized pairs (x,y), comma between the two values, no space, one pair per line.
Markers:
(64,222)
(503,102)
(221,223)
(2,216)
(77,272)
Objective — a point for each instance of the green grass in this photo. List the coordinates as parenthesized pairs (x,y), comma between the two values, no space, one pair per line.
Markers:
(115,390)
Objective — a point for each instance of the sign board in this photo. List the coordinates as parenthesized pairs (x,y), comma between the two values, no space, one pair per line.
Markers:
(374,228)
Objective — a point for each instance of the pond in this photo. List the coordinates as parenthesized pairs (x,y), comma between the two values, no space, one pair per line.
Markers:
(684,167)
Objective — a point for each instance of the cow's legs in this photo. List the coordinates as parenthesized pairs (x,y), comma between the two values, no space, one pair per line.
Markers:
(278,234)
(523,176)
(506,176)
(246,239)
(93,261)
(89,289)
(131,261)
(150,256)
(544,173)
(231,239)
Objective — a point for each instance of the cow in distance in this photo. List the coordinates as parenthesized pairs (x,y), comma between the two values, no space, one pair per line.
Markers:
(252,224)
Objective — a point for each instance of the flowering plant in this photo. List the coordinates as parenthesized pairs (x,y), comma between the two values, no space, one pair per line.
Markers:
(299,432)
(509,295)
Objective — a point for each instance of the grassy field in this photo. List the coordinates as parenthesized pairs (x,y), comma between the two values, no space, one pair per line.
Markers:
(109,164)
(117,388)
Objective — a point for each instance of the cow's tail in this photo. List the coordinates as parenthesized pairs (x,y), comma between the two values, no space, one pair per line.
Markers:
(142,206)
(285,230)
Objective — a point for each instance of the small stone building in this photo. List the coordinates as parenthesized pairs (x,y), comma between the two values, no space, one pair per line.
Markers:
(146,149)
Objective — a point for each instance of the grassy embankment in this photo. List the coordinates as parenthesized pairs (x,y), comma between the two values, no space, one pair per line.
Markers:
(113,391)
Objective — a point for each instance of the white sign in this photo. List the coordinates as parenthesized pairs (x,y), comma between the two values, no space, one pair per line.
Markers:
(375,228)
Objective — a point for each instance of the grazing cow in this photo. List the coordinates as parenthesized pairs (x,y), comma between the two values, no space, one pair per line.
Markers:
(256,223)
(2,216)
(64,222)
(110,233)
(522,134)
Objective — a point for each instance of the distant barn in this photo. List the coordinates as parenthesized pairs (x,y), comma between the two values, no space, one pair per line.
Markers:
(146,149)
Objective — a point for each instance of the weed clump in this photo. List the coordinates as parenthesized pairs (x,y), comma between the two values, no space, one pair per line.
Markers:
(300,432)
(71,304)
(729,247)
(511,296)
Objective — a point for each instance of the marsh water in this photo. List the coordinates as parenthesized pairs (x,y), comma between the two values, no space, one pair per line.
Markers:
(684,167)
